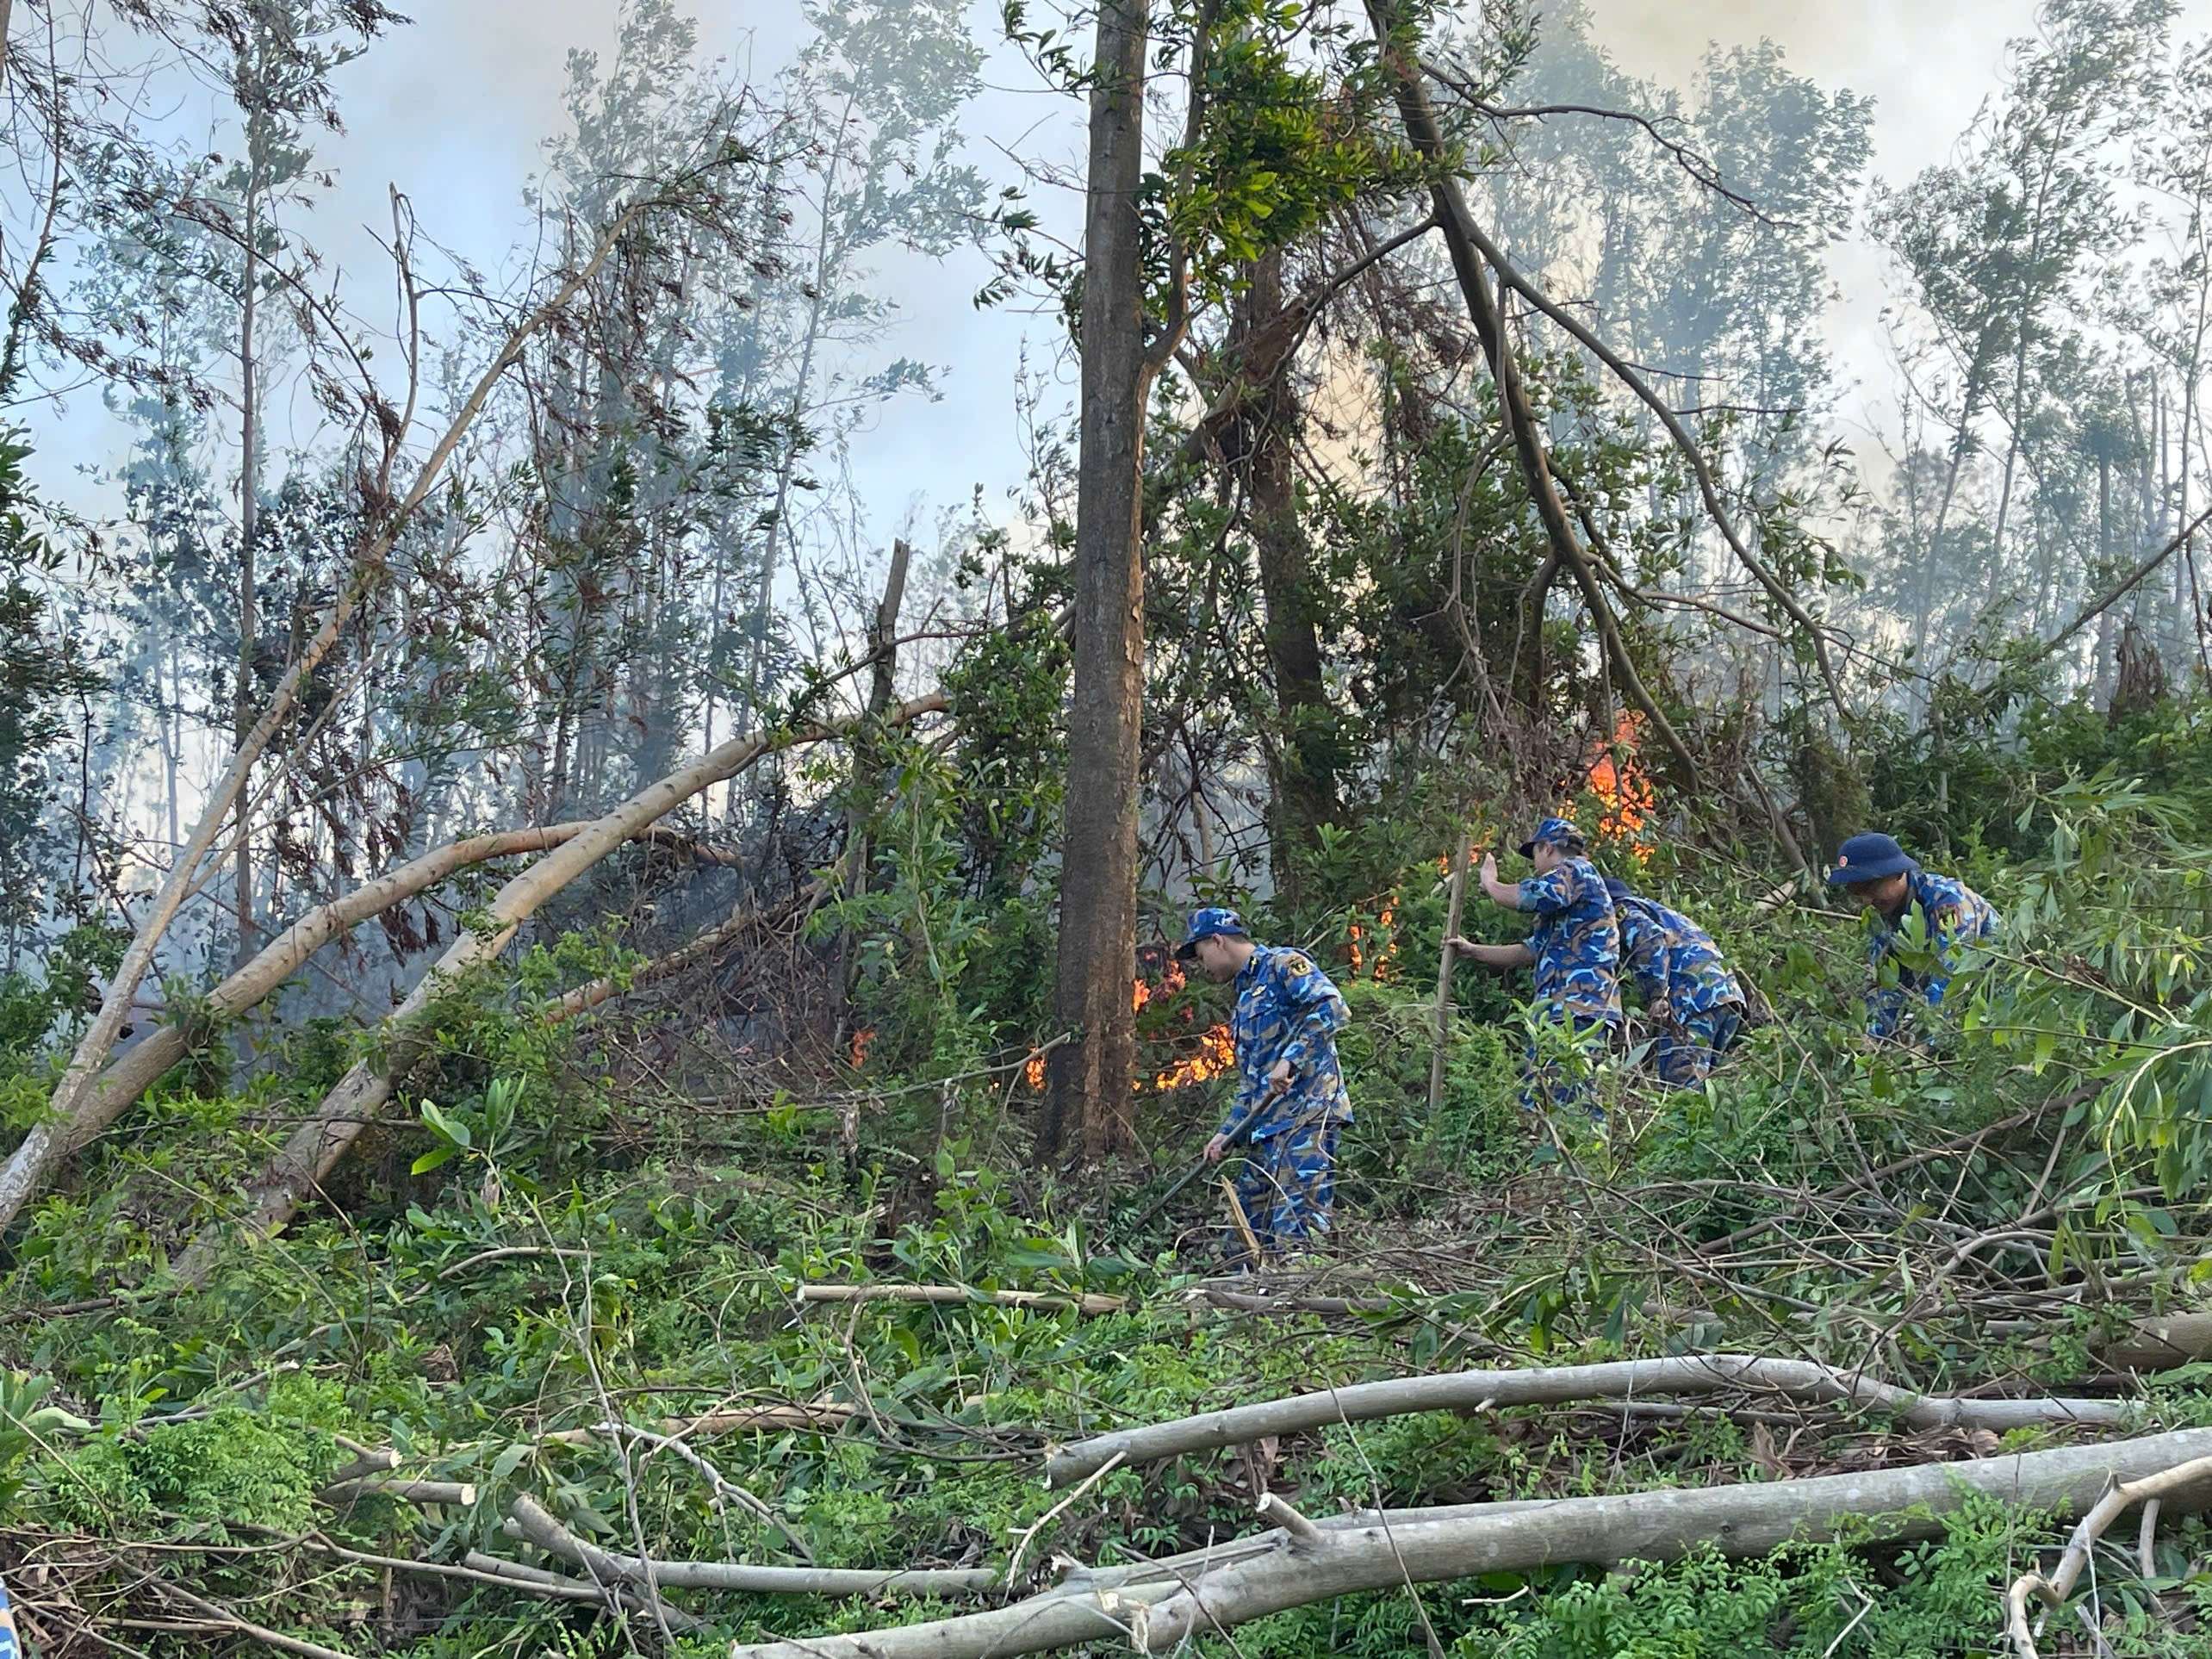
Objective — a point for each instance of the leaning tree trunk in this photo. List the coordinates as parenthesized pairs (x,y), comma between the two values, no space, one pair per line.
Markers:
(123,1082)
(42,1147)
(1470,261)
(1087,1100)
(315,1147)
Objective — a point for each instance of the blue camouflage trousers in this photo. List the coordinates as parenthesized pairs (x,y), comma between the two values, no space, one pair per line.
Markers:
(1547,1082)
(1286,1187)
(11,1647)
(1685,1054)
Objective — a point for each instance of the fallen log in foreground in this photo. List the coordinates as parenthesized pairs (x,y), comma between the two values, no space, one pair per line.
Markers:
(530,1521)
(1159,1604)
(2158,1342)
(1357,1402)
(1090,1301)
(823,1415)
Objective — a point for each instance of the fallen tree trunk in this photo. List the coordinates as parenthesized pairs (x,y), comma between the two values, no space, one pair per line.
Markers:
(43,1146)
(315,1148)
(1089,1302)
(122,1084)
(531,1522)
(1359,1402)
(824,1417)
(2159,1343)
(537,1581)
(1160,1605)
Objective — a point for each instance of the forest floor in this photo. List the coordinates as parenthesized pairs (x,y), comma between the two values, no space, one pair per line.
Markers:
(584,1315)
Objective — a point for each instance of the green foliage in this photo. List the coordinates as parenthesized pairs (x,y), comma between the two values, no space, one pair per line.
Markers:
(43,672)
(230,1470)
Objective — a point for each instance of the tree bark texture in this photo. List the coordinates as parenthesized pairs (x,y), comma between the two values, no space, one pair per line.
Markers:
(1086,1110)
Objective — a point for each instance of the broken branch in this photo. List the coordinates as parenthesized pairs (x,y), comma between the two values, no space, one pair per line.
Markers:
(1088,1302)
(529,1520)
(1156,1606)
(2053,1591)
(1357,1402)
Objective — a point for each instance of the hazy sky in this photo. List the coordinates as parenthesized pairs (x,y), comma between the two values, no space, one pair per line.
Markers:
(453,110)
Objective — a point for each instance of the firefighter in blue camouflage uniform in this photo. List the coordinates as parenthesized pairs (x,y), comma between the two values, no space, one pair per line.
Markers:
(1891,885)
(1691,996)
(1291,1100)
(1574,950)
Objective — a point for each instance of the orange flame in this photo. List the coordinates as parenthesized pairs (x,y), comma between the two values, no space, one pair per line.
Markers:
(1360,946)
(1624,792)
(1217,1052)
(860,1040)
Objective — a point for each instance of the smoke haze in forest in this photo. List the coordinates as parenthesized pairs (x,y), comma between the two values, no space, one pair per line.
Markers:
(456,109)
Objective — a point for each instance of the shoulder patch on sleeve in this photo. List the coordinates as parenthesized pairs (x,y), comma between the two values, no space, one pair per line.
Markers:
(1295,965)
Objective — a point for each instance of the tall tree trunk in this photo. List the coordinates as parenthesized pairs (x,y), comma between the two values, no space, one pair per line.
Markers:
(2101,670)
(249,496)
(1305,786)
(867,776)
(1087,1098)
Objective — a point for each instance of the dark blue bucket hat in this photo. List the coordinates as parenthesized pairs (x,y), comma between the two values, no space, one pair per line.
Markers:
(1207,924)
(1617,890)
(1553,832)
(1869,858)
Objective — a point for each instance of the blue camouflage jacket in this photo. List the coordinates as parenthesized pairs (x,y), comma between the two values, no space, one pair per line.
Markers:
(1287,1008)
(1576,942)
(1670,955)
(1955,917)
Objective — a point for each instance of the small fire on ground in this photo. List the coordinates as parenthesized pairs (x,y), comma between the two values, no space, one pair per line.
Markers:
(1374,952)
(1216,1051)
(1626,797)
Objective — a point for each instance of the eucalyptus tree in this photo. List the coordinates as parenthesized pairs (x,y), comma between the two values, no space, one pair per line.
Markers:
(1999,250)
(873,159)
(197,267)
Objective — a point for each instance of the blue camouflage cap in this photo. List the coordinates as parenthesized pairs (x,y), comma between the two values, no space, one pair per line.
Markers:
(1553,832)
(1869,858)
(1205,925)
(1617,890)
